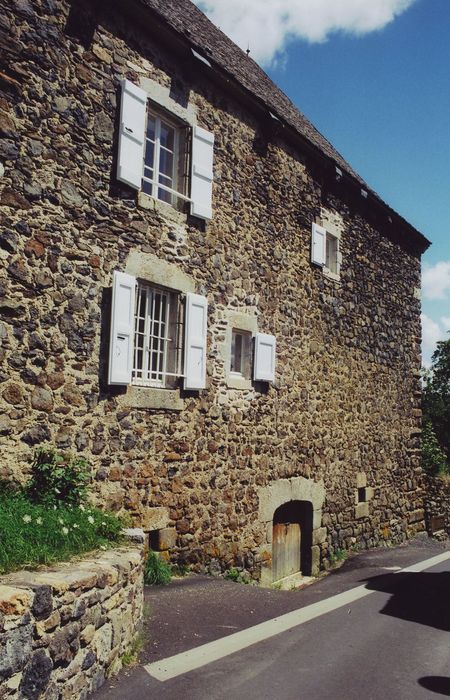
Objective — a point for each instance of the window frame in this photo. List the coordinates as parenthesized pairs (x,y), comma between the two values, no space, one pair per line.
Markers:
(334,268)
(180,159)
(172,355)
(246,352)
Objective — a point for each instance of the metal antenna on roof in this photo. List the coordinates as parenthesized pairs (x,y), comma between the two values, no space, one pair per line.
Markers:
(248,49)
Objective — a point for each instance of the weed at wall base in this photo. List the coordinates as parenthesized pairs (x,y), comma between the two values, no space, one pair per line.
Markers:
(157,572)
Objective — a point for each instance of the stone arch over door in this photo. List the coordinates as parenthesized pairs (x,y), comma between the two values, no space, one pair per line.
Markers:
(277,494)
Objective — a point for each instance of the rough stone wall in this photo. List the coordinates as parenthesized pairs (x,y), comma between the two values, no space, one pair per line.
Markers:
(62,631)
(346,397)
(437,507)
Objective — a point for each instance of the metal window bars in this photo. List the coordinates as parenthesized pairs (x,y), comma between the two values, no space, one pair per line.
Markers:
(154,348)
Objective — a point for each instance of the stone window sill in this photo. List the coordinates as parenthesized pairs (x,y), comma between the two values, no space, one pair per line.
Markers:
(238,382)
(144,201)
(335,276)
(151,398)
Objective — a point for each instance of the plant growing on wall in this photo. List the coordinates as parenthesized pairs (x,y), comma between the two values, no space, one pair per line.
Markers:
(57,479)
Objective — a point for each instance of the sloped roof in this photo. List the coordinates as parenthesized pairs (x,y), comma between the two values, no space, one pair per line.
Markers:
(187,20)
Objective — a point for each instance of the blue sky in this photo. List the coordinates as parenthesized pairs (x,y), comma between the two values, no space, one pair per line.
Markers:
(374,77)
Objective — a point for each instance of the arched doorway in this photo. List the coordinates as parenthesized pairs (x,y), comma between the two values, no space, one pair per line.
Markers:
(292,539)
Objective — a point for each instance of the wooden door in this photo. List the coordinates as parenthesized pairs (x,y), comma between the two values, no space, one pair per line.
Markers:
(285,549)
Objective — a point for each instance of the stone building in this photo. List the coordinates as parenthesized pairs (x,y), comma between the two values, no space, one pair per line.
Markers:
(199,294)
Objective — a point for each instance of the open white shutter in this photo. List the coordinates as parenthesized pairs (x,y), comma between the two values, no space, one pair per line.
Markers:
(202,173)
(318,244)
(264,360)
(195,342)
(133,112)
(122,329)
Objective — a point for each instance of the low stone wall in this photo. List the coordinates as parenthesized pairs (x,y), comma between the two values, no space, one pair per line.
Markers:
(63,630)
(437,507)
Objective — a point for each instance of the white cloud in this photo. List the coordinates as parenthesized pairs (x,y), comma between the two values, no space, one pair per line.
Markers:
(436,280)
(445,323)
(267,25)
(432,332)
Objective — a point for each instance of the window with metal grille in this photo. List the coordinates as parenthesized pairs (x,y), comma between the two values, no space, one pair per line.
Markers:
(165,160)
(157,359)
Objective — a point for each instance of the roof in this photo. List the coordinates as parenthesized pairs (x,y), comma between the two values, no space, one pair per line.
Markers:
(187,20)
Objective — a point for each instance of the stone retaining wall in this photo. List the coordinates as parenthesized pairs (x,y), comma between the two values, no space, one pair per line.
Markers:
(437,507)
(63,630)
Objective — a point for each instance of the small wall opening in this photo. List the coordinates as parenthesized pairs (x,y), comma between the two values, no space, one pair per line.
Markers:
(292,539)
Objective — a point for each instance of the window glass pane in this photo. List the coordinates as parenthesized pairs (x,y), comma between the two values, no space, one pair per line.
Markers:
(164,196)
(331,253)
(151,128)
(149,153)
(166,163)
(236,352)
(146,187)
(167,136)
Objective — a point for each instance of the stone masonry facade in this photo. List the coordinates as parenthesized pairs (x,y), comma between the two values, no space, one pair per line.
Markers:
(63,630)
(339,426)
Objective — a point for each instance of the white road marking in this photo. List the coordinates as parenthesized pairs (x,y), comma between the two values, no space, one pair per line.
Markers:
(186,661)
(392,568)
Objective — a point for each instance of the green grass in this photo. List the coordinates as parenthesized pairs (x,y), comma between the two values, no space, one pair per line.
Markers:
(157,572)
(32,534)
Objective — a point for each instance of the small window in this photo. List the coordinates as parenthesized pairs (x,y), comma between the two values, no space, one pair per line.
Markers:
(157,334)
(331,257)
(241,348)
(165,161)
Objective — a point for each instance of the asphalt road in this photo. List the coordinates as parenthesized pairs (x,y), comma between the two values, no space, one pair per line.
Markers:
(371,632)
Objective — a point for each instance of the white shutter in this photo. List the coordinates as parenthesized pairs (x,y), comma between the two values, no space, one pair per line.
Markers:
(202,173)
(264,360)
(318,245)
(195,342)
(122,329)
(133,112)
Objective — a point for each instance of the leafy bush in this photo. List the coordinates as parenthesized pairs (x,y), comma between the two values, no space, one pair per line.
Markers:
(57,479)
(436,407)
(157,572)
(32,534)
(433,457)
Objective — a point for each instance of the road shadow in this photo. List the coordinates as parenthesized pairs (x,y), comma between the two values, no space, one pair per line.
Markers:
(437,684)
(418,597)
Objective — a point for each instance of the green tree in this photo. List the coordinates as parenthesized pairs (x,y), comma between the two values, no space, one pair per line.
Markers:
(436,399)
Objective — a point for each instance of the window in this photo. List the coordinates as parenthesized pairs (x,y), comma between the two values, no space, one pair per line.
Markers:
(325,251)
(331,258)
(241,349)
(156,336)
(163,155)
(164,174)
(157,345)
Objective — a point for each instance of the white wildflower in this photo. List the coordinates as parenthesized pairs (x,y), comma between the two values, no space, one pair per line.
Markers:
(39,521)
(103,522)
(26,518)
(61,521)
(81,506)
(91,519)
(65,530)
(75,526)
